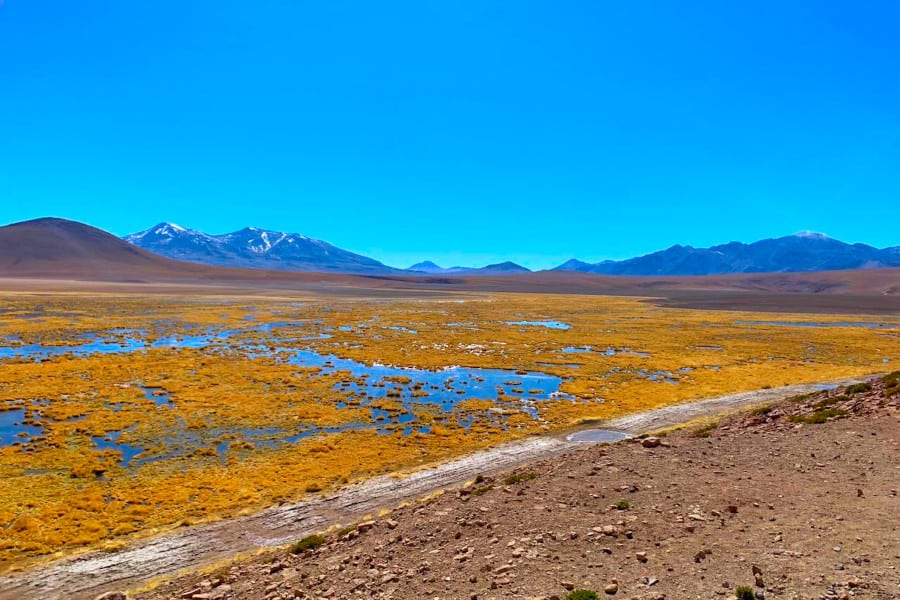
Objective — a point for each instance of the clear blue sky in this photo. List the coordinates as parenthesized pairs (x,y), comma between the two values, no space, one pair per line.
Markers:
(463,131)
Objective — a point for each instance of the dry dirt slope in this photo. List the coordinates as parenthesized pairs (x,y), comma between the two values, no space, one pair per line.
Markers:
(775,500)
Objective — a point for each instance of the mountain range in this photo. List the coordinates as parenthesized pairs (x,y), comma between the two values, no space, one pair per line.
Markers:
(800,252)
(44,254)
(257,248)
(504,268)
(254,248)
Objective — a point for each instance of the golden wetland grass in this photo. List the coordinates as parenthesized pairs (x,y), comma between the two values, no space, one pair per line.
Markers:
(122,416)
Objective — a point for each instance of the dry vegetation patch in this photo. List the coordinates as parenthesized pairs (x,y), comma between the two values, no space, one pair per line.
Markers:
(128,416)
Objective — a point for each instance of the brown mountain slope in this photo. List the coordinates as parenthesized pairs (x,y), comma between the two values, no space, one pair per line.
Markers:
(52,248)
(56,247)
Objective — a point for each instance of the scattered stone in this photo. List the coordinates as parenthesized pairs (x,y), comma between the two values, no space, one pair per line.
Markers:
(365,525)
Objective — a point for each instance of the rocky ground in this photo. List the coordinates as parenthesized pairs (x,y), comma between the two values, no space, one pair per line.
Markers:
(795,500)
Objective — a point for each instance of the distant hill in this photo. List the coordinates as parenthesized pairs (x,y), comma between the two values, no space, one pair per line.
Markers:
(254,248)
(802,252)
(504,268)
(57,247)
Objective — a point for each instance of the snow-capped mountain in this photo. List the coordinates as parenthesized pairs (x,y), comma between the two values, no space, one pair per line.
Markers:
(254,248)
(804,251)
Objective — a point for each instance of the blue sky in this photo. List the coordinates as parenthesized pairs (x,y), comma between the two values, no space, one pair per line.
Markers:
(462,132)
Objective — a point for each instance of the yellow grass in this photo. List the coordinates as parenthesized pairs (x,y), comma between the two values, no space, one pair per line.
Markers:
(62,494)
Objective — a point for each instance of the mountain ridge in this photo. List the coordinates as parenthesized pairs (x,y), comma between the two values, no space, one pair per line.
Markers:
(255,248)
(430,268)
(801,252)
(58,255)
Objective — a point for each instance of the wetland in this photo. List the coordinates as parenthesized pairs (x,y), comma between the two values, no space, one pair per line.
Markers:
(122,417)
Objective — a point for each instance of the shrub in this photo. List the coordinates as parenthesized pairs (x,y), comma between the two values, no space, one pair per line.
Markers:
(858,388)
(518,478)
(582,595)
(622,505)
(479,478)
(344,531)
(761,411)
(826,402)
(891,383)
(307,544)
(891,379)
(312,488)
(802,397)
(745,592)
(818,417)
(483,489)
(705,430)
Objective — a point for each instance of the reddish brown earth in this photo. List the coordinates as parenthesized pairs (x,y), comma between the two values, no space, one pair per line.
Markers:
(794,509)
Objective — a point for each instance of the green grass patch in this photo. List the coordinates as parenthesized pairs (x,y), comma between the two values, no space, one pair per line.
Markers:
(344,531)
(307,544)
(803,397)
(761,411)
(818,417)
(582,595)
(826,402)
(745,592)
(483,489)
(519,478)
(622,505)
(891,379)
(858,388)
(706,430)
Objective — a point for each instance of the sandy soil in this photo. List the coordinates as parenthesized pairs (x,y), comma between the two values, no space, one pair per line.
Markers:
(88,575)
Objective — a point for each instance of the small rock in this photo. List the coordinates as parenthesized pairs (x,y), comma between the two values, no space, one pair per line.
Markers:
(650,442)
(112,596)
(641,556)
(612,588)
(365,525)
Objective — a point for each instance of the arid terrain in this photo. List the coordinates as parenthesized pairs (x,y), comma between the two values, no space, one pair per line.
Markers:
(796,499)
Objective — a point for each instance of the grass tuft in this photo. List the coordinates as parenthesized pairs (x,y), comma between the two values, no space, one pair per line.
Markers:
(745,592)
(818,417)
(519,477)
(307,544)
